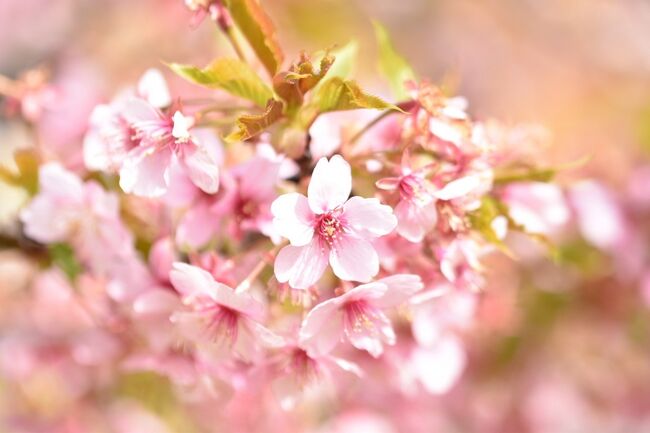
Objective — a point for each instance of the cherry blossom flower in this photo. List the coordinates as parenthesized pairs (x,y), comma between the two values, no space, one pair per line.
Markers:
(358,315)
(296,372)
(420,192)
(244,201)
(68,210)
(538,207)
(219,319)
(164,140)
(326,226)
(110,136)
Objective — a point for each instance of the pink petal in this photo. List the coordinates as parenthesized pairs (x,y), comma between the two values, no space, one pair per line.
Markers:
(368,217)
(325,135)
(372,340)
(301,266)
(153,87)
(440,367)
(201,167)
(138,110)
(54,179)
(400,288)
(354,259)
(539,207)
(145,171)
(191,281)
(388,183)
(293,219)
(414,222)
(258,178)
(370,291)
(242,302)
(610,228)
(459,187)
(53,213)
(330,185)
(198,226)
(156,302)
(322,329)
(346,365)
(161,257)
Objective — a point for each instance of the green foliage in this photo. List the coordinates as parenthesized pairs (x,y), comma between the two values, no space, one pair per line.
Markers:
(249,125)
(62,255)
(482,218)
(292,85)
(155,393)
(535,174)
(259,31)
(337,94)
(391,64)
(27,175)
(346,59)
(231,75)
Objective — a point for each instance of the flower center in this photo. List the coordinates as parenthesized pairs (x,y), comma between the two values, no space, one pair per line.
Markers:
(360,318)
(413,188)
(222,324)
(305,367)
(330,227)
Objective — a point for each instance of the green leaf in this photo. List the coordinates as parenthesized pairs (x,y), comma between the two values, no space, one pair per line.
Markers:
(337,94)
(301,77)
(62,256)
(249,125)
(155,393)
(231,75)
(536,174)
(391,64)
(26,176)
(259,31)
(346,59)
(481,221)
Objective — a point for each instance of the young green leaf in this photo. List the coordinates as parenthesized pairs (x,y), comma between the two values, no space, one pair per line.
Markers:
(259,31)
(249,125)
(336,95)
(231,75)
(27,175)
(481,221)
(391,64)
(62,255)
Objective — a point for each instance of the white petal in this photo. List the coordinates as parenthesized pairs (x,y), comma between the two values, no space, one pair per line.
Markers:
(330,185)
(354,259)
(368,217)
(293,218)
(301,266)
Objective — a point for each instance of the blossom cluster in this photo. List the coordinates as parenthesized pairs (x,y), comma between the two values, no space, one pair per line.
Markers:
(331,241)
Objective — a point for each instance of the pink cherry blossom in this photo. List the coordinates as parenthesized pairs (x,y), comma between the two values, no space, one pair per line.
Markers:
(326,226)
(110,136)
(297,372)
(219,319)
(245,198)
(358,315)
(538,207)
(68,210)
(423,195)
(164,140)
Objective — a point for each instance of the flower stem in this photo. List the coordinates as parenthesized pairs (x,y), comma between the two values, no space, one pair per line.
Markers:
(266,259)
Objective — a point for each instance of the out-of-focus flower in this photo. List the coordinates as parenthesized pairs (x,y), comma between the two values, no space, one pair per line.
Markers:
(68,210)
(110,137)
(358,315)
(219,319)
